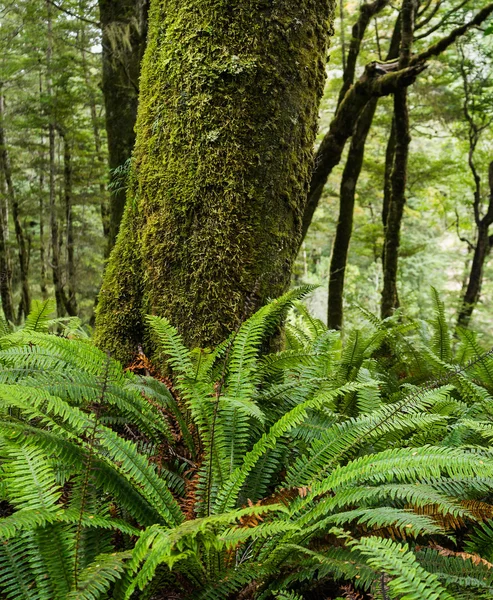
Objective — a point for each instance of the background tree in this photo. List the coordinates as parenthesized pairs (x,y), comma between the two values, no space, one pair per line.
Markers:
(438,26)
(124,29)
(53,178)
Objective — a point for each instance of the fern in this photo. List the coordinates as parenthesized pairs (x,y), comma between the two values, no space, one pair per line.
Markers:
(247,473)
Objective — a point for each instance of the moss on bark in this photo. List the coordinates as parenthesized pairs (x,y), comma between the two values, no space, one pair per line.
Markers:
(225,132)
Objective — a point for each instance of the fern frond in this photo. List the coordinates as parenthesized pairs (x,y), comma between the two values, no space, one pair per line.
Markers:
(408,579)
(97,578)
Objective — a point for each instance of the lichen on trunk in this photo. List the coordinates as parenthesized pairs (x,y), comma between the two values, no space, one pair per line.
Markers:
(227,119)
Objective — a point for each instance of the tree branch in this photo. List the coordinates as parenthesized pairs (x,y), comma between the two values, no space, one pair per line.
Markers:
(75,15)
(470,245)
(448,40)
(366,13)
(440,23)
(378,79)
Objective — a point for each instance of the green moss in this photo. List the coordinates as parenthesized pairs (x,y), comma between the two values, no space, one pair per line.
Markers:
(225,132)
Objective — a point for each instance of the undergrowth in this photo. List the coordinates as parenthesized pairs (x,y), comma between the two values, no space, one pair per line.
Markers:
(358,466)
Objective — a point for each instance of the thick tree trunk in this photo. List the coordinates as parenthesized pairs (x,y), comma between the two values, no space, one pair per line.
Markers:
(124,24)
(398,179)
(22,243)
(221,167)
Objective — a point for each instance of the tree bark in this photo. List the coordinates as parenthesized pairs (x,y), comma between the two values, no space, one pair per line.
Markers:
(124,26)
(221,167)
(390,298)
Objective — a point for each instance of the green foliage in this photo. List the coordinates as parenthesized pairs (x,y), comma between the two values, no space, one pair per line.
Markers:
(331,461)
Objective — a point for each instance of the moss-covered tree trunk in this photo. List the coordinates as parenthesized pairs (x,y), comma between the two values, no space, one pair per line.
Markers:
(227,119)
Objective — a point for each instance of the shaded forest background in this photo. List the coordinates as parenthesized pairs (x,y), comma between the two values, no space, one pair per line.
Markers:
(68,96)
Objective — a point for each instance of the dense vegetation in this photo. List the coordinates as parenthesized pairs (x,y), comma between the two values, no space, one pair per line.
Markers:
(330,468)
(161,182)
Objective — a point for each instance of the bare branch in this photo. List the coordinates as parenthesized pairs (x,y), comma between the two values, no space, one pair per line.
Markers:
(462,238)
(442,22)
(366,13)
(447,41)
(75,15)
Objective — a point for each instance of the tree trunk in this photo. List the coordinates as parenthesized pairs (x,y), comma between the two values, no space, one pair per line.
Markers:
(221,167)
(344,228)
(482,250)
(98,144)
(5,266)
(350,176)
(473,290)
(390,298)
(124,24)
(70,300)
(22,244)
(42,251)
(387,179)
(55,244)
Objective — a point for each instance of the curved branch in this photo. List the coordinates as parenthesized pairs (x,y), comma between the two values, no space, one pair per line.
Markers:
(448,40)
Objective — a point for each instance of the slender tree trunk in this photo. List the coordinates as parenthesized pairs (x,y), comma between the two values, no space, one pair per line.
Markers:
(350,176)
(55,243)
(473,290)
(42,250)
(70,301)
(22,244)
(98,145)
(390,298)
(5,266)
(5,262)
(211,220)
(387,181)
(344,228)
(124,24)
(482,250)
